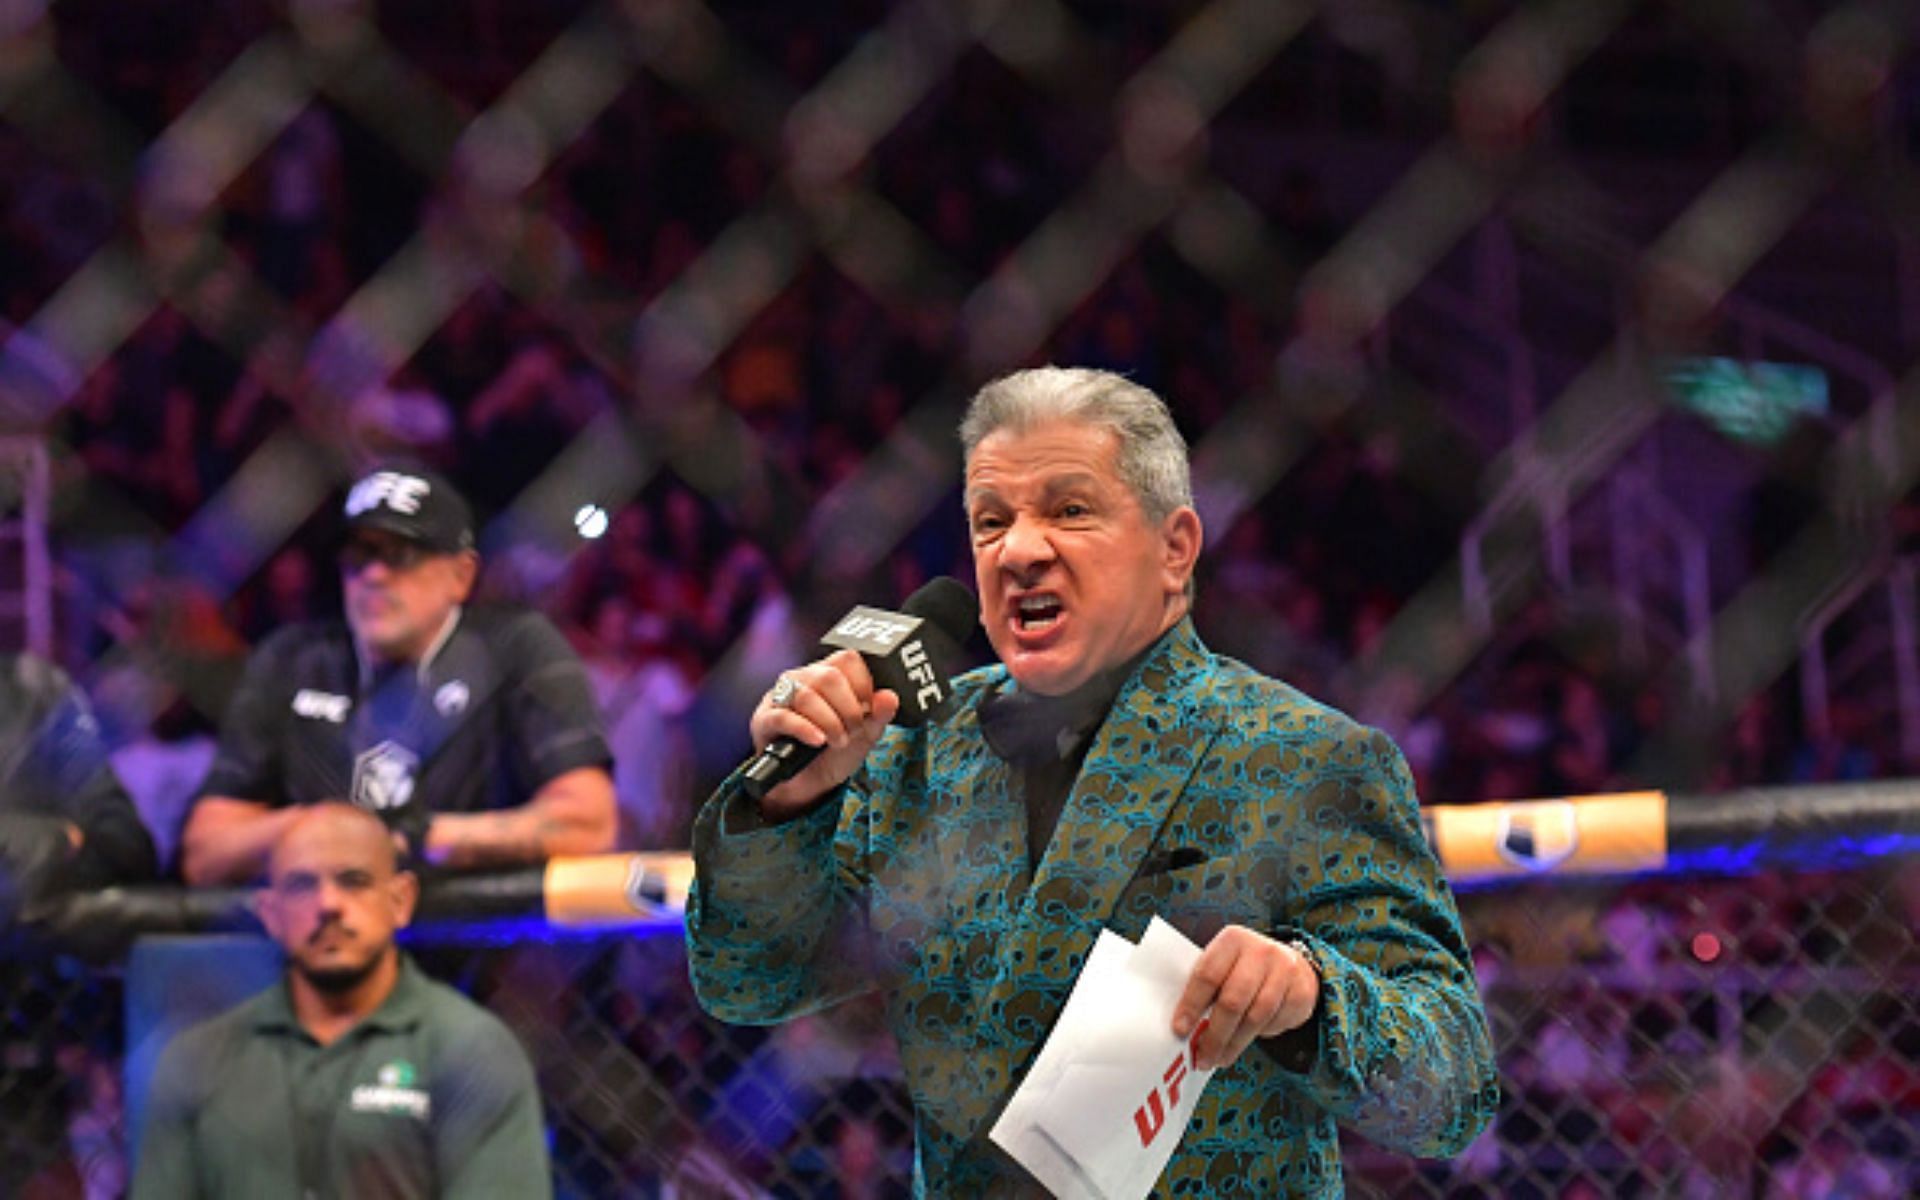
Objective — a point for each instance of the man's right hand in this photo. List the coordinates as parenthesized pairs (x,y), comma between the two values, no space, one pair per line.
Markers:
(835,706)
(408,823)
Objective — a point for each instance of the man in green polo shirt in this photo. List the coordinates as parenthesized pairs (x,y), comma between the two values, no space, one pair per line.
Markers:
(356,1077)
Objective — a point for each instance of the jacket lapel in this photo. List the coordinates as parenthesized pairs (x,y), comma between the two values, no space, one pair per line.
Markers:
(970,862)
(954,880)
(1138,766)
(1135,771)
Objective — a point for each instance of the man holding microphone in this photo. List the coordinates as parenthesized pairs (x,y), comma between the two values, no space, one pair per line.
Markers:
(1109,769)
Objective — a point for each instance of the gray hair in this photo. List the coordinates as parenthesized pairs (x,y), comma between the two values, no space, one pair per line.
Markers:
(1153,455)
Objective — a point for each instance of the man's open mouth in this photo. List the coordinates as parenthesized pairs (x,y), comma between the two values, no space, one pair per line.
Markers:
(1034,613)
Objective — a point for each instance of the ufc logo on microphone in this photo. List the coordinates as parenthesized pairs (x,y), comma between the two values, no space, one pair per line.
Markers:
(873,629)
(920,671)
(1150,1118)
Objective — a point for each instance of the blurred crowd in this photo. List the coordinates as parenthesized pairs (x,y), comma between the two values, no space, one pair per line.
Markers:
(696,585)
(697,591)
(690,590)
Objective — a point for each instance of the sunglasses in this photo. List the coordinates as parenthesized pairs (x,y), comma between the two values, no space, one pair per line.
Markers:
(394,554)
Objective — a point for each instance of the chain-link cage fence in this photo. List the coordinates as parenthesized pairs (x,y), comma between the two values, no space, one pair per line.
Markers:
(61,1041)
(1547,366)
(1733,1037)
(1756,1036)
(1521,347)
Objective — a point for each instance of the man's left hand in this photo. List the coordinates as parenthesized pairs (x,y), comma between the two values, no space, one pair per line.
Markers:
(1258,988)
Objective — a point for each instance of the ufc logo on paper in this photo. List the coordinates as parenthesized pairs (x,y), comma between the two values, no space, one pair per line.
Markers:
(1150,1118)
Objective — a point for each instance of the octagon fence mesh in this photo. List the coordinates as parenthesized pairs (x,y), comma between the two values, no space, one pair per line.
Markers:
(1547,367)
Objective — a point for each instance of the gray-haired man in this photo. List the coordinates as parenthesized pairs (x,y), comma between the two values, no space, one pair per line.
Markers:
(1108,769)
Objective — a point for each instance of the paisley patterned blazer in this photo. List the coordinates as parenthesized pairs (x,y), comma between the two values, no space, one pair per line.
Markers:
(1211,795)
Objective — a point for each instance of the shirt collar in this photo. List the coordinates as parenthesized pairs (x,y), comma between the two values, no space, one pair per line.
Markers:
(434,648)
(1029,729)
(404,1007)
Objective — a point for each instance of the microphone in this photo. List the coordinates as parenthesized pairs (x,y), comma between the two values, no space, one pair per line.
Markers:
(908,652)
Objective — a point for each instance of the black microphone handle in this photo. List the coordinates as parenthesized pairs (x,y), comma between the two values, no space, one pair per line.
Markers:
(783,758)
(912,664)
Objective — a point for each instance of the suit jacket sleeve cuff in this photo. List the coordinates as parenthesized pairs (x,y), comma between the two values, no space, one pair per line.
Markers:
(769,934)
(739,814)
(1326,1056)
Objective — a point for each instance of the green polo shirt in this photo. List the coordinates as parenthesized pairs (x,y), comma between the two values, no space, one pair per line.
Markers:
(429,1096)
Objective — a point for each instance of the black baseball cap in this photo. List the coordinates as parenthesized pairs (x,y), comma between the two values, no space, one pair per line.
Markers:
(414,503)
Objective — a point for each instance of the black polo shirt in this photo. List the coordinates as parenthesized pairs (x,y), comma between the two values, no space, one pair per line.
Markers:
(501,707)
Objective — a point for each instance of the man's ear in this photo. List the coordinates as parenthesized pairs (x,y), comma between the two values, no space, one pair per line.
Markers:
(403,892)
(267,911)
(1182,537)
(466,571)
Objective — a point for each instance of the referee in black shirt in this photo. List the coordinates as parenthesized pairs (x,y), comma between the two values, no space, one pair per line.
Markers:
(472,734)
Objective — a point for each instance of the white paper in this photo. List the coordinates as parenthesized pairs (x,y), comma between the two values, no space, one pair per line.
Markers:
(1109,1096)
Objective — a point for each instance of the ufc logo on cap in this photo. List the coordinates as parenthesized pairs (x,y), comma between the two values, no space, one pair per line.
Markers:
(401,493)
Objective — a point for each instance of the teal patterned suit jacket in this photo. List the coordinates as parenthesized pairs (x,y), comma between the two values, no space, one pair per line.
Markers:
(1286,816)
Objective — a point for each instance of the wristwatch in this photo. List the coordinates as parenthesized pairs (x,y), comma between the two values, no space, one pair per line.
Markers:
(1299,946)
(1299,1047)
